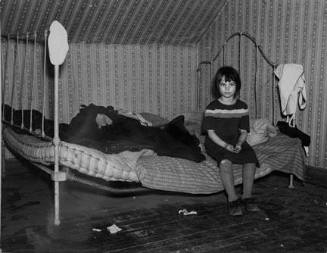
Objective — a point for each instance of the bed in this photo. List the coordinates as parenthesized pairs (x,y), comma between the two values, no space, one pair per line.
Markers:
(61,159)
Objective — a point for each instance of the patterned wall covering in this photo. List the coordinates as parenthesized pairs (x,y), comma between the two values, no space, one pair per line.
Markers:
(156,70)
(152,78)
(177,22)
(290,31)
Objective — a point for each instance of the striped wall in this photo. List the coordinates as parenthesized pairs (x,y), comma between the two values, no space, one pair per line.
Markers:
(151,78)
(289,31)
(162,79)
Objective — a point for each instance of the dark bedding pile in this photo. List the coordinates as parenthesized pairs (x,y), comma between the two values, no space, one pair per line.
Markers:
(122,133)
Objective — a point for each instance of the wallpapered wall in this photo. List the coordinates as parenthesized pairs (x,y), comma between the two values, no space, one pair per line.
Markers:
(289,31)
(151,78)
(162,79)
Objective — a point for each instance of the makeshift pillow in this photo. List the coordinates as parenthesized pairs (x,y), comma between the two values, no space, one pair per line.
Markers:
(260,131)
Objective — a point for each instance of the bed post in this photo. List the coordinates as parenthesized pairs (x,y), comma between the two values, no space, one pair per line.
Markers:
(291,185)
(58,48)
(2,163)
(57,176)
(44,80)
(56,152)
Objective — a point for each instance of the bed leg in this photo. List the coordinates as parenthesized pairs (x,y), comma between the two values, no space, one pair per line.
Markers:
(291,185)
(56,218)
(57,177)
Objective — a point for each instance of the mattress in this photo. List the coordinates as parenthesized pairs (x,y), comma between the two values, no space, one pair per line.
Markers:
(280,153)
(85,160)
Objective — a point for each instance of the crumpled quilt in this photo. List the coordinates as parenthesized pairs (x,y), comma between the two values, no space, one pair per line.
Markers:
(128,159)
(105,129)
(260,131)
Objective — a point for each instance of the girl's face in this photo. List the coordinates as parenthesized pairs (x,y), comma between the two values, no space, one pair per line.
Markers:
(227,89)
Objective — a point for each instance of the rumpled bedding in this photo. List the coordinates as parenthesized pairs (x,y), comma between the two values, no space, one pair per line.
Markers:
(91,162)
(260,131)
(280,153)
(110,132)
(167,173)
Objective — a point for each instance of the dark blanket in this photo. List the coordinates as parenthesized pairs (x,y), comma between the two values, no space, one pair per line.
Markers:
(294,132)
(25,115)
(122,134)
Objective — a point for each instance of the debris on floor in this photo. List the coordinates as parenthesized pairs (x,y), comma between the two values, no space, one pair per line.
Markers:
(185,212)
(96,229)
(113,229)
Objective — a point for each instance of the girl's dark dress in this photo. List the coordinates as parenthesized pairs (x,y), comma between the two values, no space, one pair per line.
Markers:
(226,121)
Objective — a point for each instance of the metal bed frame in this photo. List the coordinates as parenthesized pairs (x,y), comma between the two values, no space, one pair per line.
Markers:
(56,174)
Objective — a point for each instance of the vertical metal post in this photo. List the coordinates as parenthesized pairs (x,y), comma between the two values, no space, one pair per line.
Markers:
(4,77)
(255,82)
(56,143)
(291,185)
(198,76)
(22,81)
(44,80)
(239,52)
(14,83)
(32,83)
(210,80)
(1,141)
(223,54)
(273,96)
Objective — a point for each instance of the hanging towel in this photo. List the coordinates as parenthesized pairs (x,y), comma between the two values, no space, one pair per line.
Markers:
(292,89)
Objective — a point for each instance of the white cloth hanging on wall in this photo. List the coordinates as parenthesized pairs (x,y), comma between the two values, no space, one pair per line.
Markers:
(292,89)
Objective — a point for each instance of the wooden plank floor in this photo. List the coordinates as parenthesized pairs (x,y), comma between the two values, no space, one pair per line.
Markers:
(292,220)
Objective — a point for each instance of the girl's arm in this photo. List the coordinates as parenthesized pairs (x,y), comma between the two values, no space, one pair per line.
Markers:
(241,140)
(216,139)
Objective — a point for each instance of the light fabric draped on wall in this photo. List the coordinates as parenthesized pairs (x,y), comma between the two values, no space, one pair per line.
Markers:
(289,31)
(151,78)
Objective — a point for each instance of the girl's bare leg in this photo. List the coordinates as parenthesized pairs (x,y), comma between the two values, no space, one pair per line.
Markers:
(248,178)
(227,179)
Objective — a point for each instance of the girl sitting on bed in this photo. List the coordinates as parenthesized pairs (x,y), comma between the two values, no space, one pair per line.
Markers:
(226,121)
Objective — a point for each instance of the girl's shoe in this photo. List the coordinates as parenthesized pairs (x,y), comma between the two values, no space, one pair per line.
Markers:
(250,205)
(235,207)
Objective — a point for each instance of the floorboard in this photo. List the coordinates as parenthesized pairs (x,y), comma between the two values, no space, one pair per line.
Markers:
(291,220)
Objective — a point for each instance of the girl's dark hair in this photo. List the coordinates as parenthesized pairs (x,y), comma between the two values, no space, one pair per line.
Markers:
(230,74)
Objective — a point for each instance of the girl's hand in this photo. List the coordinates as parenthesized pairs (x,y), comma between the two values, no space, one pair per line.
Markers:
(230,148)
(237,148)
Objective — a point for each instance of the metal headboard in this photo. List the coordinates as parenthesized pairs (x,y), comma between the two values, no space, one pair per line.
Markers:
(222,51)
